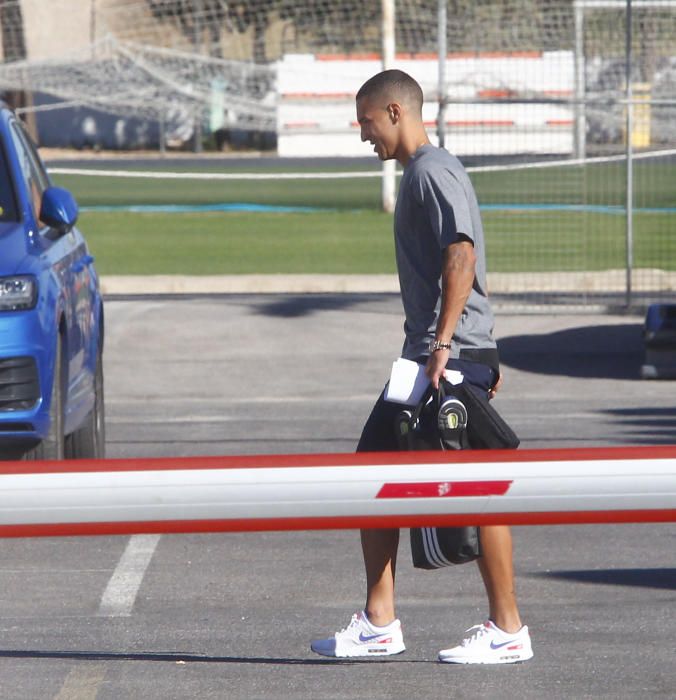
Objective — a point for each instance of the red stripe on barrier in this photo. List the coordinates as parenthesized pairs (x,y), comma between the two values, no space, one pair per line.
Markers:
(428,56)
(318,95)
(495,93)
(337,523)
(301,125)
(473,123)
(444,489)
(462,123)
(364,459)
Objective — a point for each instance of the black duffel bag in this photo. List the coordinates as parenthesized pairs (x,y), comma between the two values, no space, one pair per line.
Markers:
(455,417)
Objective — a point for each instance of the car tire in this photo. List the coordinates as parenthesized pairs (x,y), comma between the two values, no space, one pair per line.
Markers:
(89,440)
(53,446)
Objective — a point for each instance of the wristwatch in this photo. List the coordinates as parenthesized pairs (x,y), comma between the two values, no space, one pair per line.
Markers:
(438,345)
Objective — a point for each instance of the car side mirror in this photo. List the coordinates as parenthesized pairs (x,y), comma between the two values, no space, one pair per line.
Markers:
(58,209)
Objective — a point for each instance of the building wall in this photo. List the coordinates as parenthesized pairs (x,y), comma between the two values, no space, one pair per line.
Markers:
(61,28)
(55,28)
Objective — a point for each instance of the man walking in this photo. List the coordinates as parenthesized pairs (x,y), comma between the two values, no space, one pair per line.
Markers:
(449,324)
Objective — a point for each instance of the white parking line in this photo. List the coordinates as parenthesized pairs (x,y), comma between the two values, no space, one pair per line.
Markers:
(120,594)
(219,401)
(82,683)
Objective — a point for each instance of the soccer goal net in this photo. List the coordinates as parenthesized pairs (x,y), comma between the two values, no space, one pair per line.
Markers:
(543,77)
(586,83)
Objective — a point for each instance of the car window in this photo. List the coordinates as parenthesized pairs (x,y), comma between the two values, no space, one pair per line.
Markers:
(8,209)
(35,158)
(31,167)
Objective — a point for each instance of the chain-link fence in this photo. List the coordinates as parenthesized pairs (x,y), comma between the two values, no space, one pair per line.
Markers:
(564,110)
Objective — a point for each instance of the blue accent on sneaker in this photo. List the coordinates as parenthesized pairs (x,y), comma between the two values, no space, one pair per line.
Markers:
(368,637)
(503,644)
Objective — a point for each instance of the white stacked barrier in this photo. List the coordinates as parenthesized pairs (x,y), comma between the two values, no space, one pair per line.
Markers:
(499,103)
(307,492)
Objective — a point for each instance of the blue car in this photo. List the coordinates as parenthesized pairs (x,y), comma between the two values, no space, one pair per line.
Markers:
(51,314)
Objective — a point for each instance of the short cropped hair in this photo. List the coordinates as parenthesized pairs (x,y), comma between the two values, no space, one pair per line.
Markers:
(393,84)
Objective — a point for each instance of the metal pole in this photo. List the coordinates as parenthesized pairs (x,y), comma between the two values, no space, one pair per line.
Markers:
(388,49)
(580,120)
(198,37)
(163,133)
(442,21)
(630,158)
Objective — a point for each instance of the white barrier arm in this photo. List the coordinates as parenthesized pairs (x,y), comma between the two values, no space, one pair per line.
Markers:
(307,492)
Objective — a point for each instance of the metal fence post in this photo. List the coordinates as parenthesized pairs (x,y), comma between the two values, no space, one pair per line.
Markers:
(580,134)
(630,158)
(442,50)
(388,48)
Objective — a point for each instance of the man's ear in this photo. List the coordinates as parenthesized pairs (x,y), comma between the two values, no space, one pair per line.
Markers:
(394,112)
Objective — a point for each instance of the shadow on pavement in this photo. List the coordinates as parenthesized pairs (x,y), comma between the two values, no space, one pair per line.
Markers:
(294,306)
(602,352)
(177,657)
(641,578)
(650,426)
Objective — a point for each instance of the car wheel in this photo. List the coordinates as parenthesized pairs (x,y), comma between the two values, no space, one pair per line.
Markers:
(89,440)
(53,446)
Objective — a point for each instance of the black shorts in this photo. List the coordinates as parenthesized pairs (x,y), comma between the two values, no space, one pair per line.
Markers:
(378,434)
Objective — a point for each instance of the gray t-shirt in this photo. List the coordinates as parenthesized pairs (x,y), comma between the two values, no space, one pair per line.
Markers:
(436,203)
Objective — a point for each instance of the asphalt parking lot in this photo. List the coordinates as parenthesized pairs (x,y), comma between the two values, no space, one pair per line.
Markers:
(231,615)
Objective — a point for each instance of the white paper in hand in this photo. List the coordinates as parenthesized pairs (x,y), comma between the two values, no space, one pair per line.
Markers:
(408,382)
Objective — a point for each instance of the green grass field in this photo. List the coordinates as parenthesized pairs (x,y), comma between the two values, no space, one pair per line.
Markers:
(240,243)
(351,235)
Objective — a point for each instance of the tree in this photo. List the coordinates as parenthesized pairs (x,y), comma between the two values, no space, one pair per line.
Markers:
(333,26)
(14,49)
(255,14)
(194,18)
(327,24)
(348,26)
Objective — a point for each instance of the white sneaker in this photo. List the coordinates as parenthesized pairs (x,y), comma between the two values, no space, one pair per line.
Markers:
(361,638)
(488,644)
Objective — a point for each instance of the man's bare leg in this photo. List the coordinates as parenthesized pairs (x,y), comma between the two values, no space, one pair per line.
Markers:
(497,571)
(380,559)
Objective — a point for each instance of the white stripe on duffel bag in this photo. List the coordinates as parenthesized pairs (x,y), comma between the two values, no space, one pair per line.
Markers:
(433,551)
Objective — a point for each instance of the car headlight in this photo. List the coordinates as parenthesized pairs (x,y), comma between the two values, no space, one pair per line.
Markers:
(18,293)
